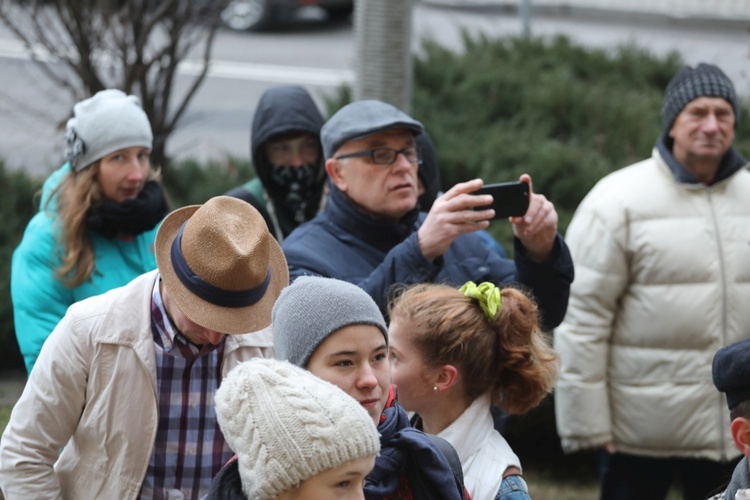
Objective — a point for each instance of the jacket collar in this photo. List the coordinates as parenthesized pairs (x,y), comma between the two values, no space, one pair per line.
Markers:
(380,233)
(740,479)
(127,322)
(730,164)
(471,430)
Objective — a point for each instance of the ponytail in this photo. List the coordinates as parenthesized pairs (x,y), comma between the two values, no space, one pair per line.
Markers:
(507,356)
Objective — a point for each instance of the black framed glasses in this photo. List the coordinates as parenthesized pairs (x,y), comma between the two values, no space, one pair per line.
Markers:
(386,156)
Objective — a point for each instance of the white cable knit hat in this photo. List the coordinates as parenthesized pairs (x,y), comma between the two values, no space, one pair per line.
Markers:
(287,425)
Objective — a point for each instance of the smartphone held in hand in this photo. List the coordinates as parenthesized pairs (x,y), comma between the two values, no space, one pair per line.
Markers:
(510,199)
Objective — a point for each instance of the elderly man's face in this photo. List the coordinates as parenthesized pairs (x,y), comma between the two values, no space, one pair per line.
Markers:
(388,191)
(703,131)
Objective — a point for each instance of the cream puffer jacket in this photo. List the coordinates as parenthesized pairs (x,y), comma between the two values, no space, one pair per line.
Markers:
(92,394)
(662,281)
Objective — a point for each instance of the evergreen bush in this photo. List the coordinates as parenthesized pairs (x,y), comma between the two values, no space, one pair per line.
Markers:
(17,204)
(190,183)
(565,114)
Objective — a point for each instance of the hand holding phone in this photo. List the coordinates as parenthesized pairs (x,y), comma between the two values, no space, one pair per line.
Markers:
(509,199)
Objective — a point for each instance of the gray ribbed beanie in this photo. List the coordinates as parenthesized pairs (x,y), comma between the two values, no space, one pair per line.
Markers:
(312,308)
(287,425)
(705,80)
(105,123)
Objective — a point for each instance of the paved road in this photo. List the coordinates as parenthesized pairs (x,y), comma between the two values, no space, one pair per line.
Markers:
(319,55)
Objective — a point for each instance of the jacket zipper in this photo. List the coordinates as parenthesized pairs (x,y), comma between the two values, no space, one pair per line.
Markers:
(152,440)
(722,276)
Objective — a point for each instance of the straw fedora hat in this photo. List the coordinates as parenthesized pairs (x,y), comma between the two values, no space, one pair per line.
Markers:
(221,266)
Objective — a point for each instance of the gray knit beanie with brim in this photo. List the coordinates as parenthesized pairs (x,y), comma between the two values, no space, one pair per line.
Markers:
(311,309)
(705,80)
(287,425)
(107,122)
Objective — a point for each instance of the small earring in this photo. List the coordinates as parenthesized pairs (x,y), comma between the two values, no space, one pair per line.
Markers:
(434,389)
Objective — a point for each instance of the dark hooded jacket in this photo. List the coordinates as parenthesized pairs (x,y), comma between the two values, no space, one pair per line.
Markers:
(281,111)
(428,172)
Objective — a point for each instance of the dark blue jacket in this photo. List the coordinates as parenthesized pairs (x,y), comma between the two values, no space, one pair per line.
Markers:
(345,243)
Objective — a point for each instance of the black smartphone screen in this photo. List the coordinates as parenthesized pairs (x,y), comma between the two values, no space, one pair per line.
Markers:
(510,199)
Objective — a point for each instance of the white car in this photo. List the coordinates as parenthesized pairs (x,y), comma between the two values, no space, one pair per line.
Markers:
(243,15)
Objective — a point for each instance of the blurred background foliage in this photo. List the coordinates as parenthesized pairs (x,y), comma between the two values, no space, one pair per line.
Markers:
(564,113)
(17,205)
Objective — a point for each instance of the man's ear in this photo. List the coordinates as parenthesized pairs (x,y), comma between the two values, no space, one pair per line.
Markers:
(447,375)
(335,171)
(741,434)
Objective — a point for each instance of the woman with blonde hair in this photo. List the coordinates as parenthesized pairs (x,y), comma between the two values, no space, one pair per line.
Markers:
(453,354)
(97,219)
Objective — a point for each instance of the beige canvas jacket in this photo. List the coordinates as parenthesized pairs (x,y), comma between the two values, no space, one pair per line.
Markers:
(662,281)
(92,394)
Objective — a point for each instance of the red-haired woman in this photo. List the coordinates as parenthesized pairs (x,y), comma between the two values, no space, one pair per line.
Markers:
(453,353)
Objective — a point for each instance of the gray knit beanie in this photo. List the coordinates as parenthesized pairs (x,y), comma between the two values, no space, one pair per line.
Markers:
(312,308)
(705,80)
(105,123)
(287,425)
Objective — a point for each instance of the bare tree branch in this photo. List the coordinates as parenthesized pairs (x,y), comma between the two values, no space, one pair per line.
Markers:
(84,46)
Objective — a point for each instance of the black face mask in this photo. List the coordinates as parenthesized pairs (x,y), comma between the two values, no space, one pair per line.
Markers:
(297,187)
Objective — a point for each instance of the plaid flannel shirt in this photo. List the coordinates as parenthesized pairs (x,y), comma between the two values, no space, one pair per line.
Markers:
(189,448)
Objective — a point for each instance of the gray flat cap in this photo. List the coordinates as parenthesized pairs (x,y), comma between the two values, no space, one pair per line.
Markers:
(360,119)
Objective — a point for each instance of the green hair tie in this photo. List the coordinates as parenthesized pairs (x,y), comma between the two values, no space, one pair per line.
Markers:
(487,294)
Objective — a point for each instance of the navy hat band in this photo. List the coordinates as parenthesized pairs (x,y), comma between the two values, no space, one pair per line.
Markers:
(208,292)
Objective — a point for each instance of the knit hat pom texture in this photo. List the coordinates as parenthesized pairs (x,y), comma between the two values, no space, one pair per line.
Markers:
(287,425)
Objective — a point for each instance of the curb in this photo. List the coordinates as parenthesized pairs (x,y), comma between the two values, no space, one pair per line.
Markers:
(550,8)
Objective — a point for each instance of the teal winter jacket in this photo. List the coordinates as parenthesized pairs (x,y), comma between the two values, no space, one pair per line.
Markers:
(40,299)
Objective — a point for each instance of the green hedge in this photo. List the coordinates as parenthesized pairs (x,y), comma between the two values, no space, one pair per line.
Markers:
(17,205)
(565,114)
(189,183)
